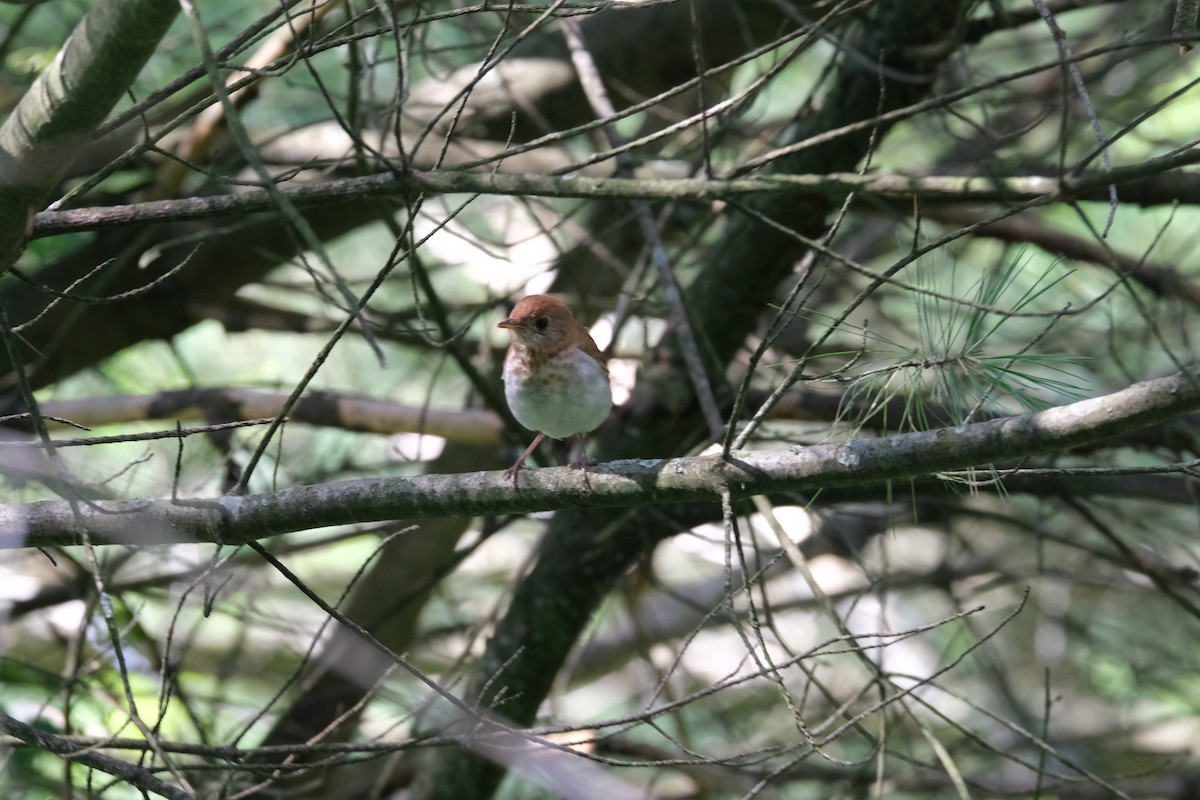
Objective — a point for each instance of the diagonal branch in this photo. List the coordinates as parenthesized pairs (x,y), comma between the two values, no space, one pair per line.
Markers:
(68,102)
(132,774)
(689,347)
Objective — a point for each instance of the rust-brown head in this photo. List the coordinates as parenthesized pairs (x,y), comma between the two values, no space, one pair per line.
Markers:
(546,326)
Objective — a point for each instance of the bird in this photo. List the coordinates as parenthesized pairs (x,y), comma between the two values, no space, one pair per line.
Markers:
(555,377)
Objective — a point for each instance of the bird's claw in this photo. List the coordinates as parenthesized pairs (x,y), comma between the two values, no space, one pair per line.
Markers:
(582,465)
(512,472)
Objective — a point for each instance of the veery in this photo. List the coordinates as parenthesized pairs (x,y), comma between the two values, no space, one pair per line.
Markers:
(555,378)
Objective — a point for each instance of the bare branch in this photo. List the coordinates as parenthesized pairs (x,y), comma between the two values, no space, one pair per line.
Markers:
(948,189)
(616,484)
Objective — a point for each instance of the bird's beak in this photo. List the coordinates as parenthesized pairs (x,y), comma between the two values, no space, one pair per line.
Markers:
(510,323)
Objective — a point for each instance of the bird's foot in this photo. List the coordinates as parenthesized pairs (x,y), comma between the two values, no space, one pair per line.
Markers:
(516,468)
(512,472)
(582,465)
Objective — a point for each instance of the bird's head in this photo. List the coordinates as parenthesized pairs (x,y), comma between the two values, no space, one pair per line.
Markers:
(543,324)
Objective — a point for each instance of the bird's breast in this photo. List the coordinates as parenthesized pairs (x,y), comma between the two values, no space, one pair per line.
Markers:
(561,395)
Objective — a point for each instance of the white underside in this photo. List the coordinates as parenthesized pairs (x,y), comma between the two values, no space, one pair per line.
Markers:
(563,409)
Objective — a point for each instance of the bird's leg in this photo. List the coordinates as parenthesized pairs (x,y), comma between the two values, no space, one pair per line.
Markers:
(512,471)
(584,462)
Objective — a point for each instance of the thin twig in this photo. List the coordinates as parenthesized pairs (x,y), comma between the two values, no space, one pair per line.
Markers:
(76,525)
(174,433)
(136,776)
(593,88)
(1060,39)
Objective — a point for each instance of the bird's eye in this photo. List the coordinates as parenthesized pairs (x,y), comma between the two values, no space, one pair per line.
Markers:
(541,323)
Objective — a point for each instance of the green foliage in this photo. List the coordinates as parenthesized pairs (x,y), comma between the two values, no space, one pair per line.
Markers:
(966,361)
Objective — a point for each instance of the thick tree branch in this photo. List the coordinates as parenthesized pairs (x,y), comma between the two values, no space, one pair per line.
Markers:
(616,484)
(68,102)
